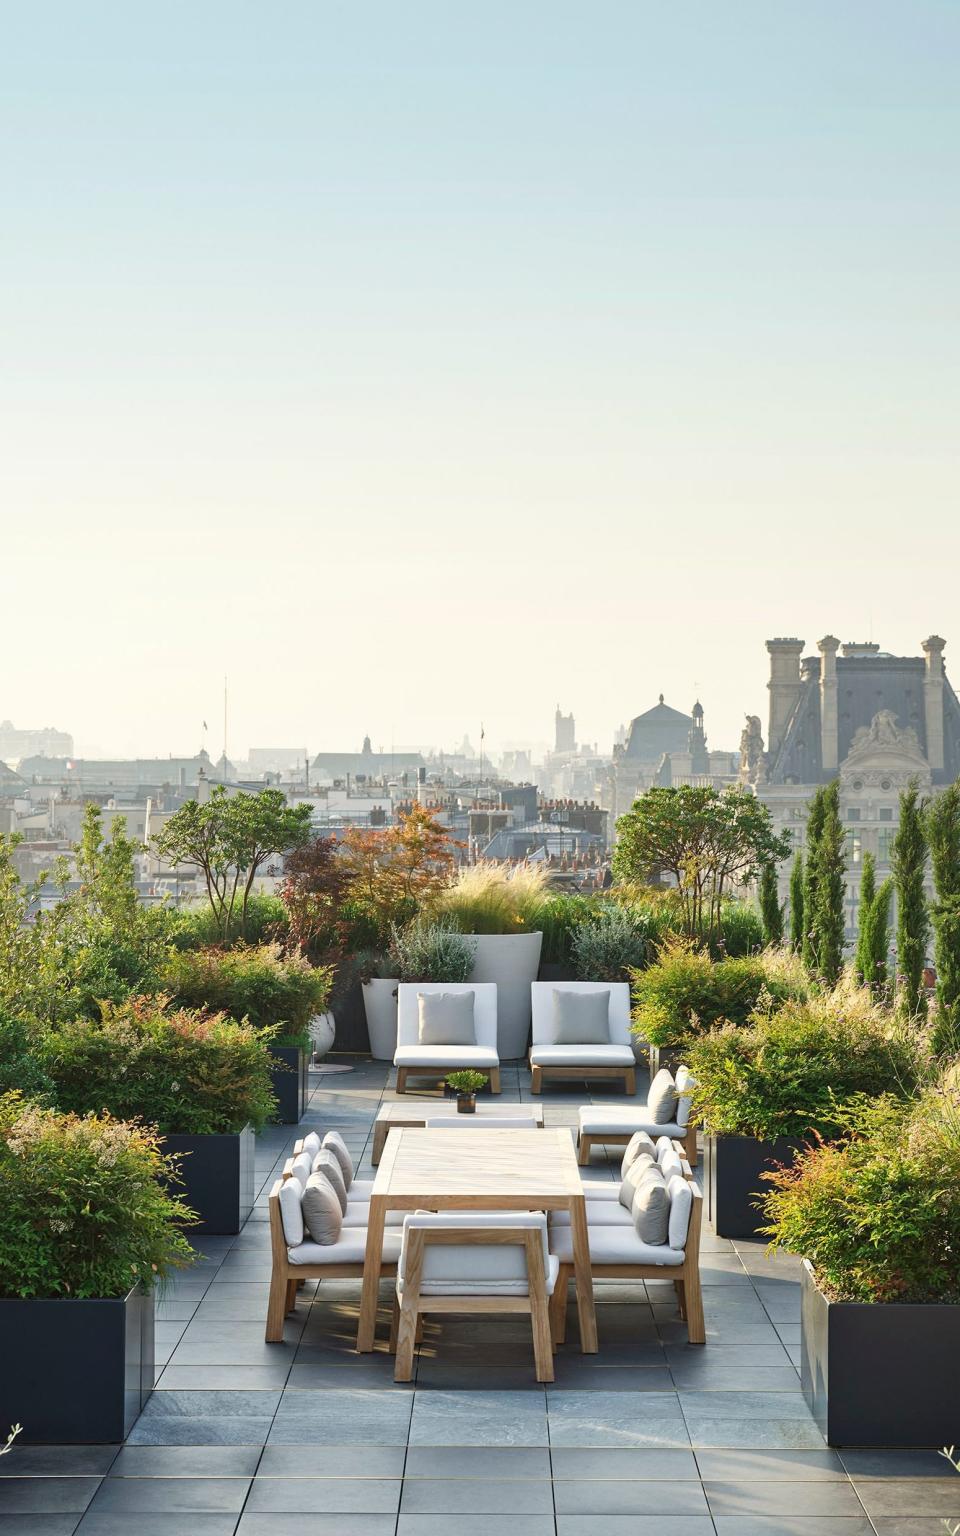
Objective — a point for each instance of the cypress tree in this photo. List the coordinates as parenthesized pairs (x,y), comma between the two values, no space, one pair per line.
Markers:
(880,938)
(815,817)
(943,833)
(771,912)
(868,892)
(909,863)
(831,888)
(796,904)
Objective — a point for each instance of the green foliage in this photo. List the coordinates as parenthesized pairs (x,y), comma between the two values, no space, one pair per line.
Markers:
(740,932)
(314,887)
(391,876)
(187,1073)
(831,861)
(258,983)
(196,926)
(429,951)
(868,892)
(771,909)
(684,993)
(466,1081)
(709,842)
(943,834)
(796,903)
(909,862)
(878,1215)
(229,838)
(84,1207)
(792,1071)
(486,898)
(613,940)
(816,814)
(19,1068)
(561,917)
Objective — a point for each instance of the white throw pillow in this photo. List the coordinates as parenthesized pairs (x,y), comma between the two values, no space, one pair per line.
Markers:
(320,1205)
(446,1018)
(326,1163)
(581,1018)
(662,1099)
(335,1143)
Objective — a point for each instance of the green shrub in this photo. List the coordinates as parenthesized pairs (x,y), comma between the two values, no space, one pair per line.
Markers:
(561,916)
(684,993)
(741,931)
(19,1068)
(878,1215)
(185,1072)
(83,1211)
(196,926)
(613,940)
(488,899)
(430,952)
(466,1081)
(794,1070)
(259,983)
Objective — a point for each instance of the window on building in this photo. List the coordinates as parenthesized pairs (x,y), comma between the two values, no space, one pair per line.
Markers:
(853,842)
(885,813)
(853,813)
(885,838)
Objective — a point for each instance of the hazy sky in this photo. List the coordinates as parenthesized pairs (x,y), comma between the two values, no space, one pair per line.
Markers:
(422,363)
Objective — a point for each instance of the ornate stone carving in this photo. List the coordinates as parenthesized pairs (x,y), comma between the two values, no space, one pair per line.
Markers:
(753,761)
(884,754)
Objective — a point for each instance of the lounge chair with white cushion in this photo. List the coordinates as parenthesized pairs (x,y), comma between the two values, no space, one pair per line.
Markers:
(446,1027)
(666,1113)
(618,1250)
(581,1029)
(469,1262)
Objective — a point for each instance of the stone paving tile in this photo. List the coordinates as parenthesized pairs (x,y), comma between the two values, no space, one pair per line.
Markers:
(315,1495)
(644,1465)
(613,1419)
(46,1495)
(782,1498)
(177,1495)
(603,1496)
(910,1525)
(57,1460)
(486,1496)
(190,1523)
(911,1496)
(469,1524)
(739,1466)
(186,1461)
(792,1525)
(237,1378)
(867,1464)
(634,1525)
(728,1433)
(354,1417)
(501,1462)
(326,1461)
(479,1418)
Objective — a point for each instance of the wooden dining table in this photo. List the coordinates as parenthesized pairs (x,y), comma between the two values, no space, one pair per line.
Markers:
(478,1170)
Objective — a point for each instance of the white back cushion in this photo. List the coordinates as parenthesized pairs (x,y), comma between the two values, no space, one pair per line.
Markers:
(681,1204)
(684,1083)
(541,1003)
(473,1261)
(639,1142)
(302,1167)
(311,1143)
(484,1009)
(291,1191)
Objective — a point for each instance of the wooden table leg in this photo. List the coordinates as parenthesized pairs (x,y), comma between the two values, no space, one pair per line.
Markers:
(380,1128)
(586,1311)
(366,1331)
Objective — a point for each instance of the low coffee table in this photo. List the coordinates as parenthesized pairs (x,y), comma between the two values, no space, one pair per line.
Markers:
(416,1114)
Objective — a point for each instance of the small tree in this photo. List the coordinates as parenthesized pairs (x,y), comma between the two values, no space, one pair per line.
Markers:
(943,833)
(831,887)
(394,872)
(868,891)
(313,889)
(811,903)
(879,948)
(709,842)
(796,903)
(909,864)
(771,909)
(230,838)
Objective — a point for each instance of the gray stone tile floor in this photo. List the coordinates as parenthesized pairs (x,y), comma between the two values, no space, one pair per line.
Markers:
(652,1437)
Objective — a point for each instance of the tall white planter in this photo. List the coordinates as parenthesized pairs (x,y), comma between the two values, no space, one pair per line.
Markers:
(512,960)
(323,1032)
(380,1007)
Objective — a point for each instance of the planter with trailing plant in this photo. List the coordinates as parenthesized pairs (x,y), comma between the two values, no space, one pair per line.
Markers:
(270,989)
(86,1229)
(203,1080)
(465,1086)
(765,1090)
(877,1221)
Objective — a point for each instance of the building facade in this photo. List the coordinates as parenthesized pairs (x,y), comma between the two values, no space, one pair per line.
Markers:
(663,747)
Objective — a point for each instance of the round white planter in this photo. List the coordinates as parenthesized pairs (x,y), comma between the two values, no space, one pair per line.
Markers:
(322,1032)
(380,1007)
(512,960)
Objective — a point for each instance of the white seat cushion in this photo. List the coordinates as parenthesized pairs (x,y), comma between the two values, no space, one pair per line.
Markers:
(600,1213)
(350,1249)
(361,1189)
(612,1245)
(445,1056)
(582,1056)
(358,1215)
(601,1189)
(484,1287)
(600,1120)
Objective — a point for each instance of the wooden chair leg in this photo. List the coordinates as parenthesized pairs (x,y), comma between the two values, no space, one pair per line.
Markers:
(406,1340)
(419,1333)
(494,1079)
(586,1144)
(690,1145)
(402,1079)
(680,1289)
(696,1327)
(394,1323)
(536,1079)
(276,1308)
(630,1081)
(291,1295)
(542,1339)
(558,1304)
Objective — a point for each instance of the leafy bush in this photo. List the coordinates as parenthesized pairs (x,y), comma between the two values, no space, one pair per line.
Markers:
(741,931)
(684,993)
(83,1211)
(488,899)
(793,1071)
(611,941)
(430,952)
(19,1068)
(259,983)
(186,1072)
(878,1216)
(197,927)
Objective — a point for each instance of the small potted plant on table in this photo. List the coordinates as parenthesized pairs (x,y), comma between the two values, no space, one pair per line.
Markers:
(466,1086)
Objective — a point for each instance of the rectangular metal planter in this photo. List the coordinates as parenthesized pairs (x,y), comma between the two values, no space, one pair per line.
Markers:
(291,1086)
(731,1179)
(880,1374)
(218,1174)
(665,1056)
(75,1372)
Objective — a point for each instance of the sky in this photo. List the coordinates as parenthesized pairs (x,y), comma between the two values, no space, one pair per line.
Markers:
(424,364)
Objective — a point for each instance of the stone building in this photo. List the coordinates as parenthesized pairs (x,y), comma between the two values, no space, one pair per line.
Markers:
(663,746)
(853,712)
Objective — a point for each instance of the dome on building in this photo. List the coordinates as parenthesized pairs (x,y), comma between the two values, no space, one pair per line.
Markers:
(661,729)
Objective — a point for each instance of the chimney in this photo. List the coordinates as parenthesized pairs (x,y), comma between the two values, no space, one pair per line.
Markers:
(784,686)
(860,648)
(933,700)
(829,732)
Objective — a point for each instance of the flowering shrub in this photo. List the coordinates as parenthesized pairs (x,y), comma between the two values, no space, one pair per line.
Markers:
(83,1211)
(186,1072)
(258,983)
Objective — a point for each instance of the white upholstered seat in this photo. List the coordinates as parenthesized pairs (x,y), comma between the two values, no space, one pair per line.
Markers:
(412,1057)
(547,1057)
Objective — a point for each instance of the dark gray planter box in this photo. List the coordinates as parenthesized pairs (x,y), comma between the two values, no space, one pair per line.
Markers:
(218,1178)
(669,1056)
(290,1082)
(75,1372)
(880,1373)
(732,1179)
